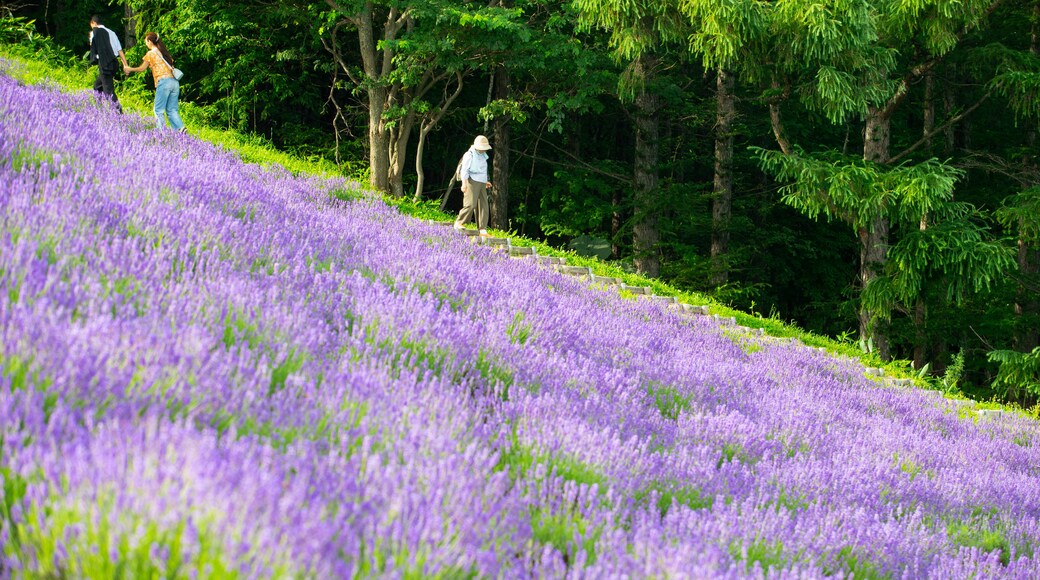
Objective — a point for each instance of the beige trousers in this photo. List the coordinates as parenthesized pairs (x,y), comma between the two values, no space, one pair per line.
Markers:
(475,200)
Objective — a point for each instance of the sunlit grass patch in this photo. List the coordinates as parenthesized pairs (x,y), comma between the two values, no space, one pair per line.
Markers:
(668,400)
(67,538)
(669,495)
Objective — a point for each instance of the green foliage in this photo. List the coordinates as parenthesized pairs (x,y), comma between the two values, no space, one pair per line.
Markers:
(766,554)
(668,400)
(850,563)
(576,202)
(292,363)
(256,66)
(1022,91)
(1021,213)
(856,191)
(954,374)
(725,32)
(636,28)
(67,539)
(954,252)
(1018,374)
(988,536)
(829,54)
(518,332)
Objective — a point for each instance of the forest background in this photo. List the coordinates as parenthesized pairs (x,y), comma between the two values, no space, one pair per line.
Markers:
(864,168)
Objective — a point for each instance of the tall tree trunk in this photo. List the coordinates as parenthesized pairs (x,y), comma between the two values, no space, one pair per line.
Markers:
(873,237)
(920,320)
(130,31)
(420,173)
(378,93)
(378,141)
(722,199)
(920,316)
(377,63)
(499,198)
(645,236)
(47,18)
(615,224)
(397,142)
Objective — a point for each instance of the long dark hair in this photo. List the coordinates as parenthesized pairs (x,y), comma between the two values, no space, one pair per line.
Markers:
(154,38)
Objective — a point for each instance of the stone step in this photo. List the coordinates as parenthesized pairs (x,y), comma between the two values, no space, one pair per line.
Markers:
(551,260)
(522,251)
(990,413)
(899,382)
(724,319)
(604,280)
(694,309)
(664,299)
(642,290)
(574,270)
(874,371)
(495,242)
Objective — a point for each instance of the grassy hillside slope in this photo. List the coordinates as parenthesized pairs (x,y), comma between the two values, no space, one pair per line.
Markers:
(219,369)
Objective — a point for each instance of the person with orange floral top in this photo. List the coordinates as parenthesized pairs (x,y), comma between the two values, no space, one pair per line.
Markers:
(167,88)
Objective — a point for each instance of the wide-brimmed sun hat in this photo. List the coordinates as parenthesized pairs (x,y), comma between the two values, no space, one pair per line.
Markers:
(481,143)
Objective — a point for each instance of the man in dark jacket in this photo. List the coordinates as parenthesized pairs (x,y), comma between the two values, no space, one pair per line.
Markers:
(103,55)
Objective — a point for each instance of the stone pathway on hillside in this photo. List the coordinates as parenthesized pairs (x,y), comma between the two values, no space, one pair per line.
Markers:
(646,292)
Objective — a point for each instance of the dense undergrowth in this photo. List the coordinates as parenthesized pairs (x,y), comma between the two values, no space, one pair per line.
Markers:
(216,368)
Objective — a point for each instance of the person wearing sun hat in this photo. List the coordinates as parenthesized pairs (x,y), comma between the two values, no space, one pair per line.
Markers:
(475,184)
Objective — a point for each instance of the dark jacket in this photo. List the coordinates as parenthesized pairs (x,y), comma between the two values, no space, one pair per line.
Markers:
(101,52)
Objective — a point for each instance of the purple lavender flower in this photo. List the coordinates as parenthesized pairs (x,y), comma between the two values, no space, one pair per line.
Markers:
(209,367)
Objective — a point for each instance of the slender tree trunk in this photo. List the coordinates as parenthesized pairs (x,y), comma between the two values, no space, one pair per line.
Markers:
(873,237)
(776,122)
(722,199)
(920,317)
(397,155)
(499,198)
(929,107)
(420,173)
(921,320)
(645,236)
(615,224)
(130,32)
(378,93)
(378,141)
(377,63)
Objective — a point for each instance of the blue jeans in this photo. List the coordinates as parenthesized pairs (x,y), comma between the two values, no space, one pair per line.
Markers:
(166,93)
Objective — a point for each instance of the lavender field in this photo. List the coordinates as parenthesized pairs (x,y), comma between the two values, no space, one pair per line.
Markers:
(213,369)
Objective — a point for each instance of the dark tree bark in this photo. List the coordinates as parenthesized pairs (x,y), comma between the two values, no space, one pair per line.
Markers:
(645,235)
(873,236)
(130,32)
(722,199)
(500,170)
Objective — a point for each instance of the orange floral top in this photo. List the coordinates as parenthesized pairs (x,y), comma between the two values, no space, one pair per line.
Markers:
(160,70)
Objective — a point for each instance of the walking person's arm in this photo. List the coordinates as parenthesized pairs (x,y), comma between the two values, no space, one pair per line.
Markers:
(467,160)
(132,69)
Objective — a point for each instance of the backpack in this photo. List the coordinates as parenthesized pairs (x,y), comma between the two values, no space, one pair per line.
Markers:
(458,168)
